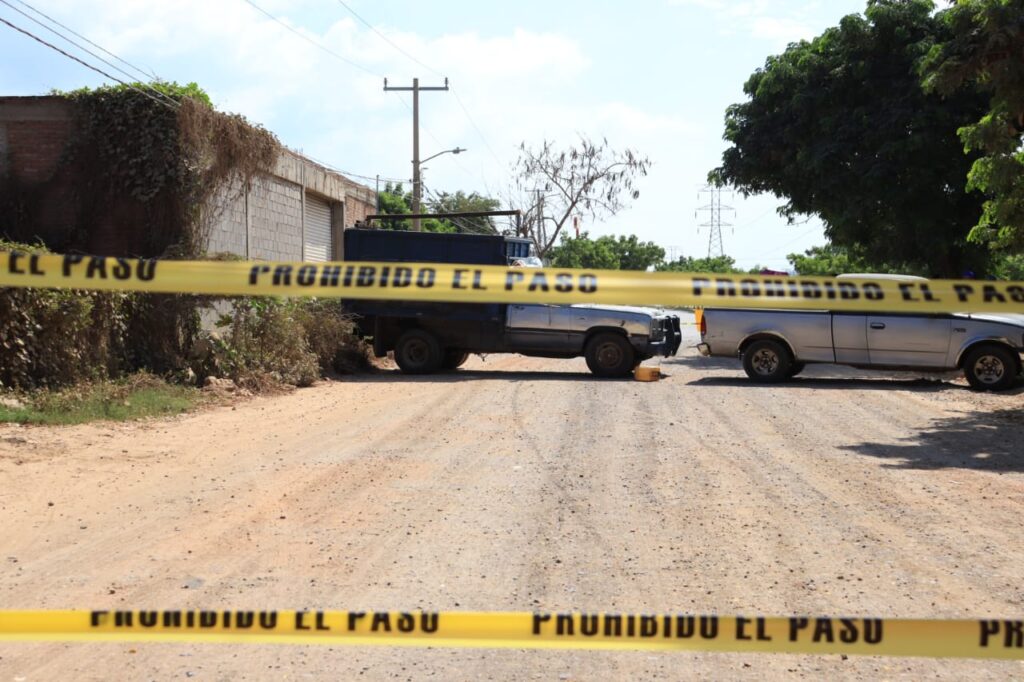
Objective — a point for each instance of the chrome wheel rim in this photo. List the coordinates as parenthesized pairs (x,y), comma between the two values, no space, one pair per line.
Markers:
(989,369)
(765,362)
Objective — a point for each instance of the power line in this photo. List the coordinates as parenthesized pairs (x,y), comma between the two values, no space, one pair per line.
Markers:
(89,66)
(388,41)
(86,50)
(793,241)
(150,76)
(466,228)
(479,132)
(349,173)
(419,62)
(312,42)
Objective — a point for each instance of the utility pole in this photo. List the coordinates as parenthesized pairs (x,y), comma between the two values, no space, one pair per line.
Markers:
(542,234)
(714,224)
(417,188)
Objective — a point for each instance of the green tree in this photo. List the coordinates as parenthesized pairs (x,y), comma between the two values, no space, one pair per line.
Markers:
(460,202)
(832,259)
(986,52)
(394,200)
(606,253)
(584,252)
(842,128)
(1009,266)
(720,264)
(634,254)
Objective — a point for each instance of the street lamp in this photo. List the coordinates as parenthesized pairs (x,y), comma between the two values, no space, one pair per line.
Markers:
(417,187)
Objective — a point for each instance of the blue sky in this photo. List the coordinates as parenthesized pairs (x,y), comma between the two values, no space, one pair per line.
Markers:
(652,75)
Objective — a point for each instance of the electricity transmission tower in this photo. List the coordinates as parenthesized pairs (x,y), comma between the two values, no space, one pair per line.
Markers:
(714,209)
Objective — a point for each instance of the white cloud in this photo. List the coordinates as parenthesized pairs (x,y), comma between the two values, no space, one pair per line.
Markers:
(518,85)
(769,20)
(781,30)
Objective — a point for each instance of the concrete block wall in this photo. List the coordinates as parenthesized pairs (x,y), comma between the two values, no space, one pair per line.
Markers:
(266,223)
(227,218)
(275,220)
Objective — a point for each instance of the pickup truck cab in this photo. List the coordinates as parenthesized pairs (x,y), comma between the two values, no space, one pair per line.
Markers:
(774,345)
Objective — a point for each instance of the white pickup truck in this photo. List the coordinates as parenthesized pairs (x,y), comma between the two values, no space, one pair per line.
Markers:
(775,345)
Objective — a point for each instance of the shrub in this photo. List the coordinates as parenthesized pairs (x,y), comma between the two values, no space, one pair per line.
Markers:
(267,341)
(50,338)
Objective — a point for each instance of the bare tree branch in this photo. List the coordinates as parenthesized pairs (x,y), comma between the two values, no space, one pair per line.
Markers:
(589,179)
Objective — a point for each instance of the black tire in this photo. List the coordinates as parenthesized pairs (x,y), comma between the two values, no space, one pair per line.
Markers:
(418,352)
(991,368)
(767,361)
(610,354)
(795,369)
(454,358)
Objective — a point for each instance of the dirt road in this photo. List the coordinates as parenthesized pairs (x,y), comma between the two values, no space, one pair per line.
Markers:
(521,484)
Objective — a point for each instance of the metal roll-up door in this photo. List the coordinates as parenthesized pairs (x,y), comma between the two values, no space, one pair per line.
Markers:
(317,229)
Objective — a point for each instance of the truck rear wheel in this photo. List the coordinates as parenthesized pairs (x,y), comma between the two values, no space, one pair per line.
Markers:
(610,355)
(418,352)
(767,361)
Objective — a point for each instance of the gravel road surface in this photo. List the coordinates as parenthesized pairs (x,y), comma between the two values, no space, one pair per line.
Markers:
(524,484)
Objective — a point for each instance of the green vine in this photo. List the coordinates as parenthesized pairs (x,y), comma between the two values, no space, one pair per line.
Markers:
(172,157)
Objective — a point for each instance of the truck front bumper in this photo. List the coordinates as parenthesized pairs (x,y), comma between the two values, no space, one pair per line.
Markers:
(672,338)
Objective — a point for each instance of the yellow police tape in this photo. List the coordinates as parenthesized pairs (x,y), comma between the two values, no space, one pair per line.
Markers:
(493,284)
(1002,639)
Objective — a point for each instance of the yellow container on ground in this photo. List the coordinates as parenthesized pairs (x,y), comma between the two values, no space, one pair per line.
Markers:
(647,373)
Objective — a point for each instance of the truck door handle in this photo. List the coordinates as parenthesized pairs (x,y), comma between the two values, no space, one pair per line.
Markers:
(878,325)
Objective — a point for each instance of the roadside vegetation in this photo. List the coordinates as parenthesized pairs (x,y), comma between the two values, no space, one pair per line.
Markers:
(68,356)
(71,355)
(133,397)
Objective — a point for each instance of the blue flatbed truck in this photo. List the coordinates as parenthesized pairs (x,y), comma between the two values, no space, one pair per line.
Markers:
(431,336)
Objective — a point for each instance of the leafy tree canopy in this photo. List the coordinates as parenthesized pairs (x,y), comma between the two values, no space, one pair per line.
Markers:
(460,202)
(986,51)
(394,200)
(841,127)
(606,253)
(721,264)
(831,260)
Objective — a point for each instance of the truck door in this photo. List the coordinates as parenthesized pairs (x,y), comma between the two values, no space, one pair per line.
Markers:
(908,340)
(850,338)
(530,327)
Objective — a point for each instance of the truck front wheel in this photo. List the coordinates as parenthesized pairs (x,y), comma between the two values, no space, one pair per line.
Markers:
(418,352)
(990,368)
(610,355)
(767,361)
(454,358)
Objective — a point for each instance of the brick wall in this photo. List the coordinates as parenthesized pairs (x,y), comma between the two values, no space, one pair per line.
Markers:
(264,223)
(356,210)
(34,132)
